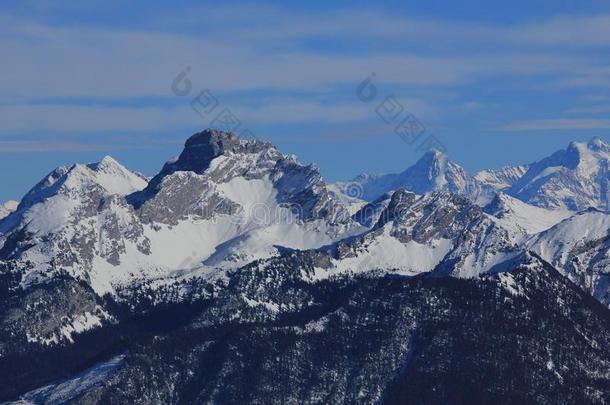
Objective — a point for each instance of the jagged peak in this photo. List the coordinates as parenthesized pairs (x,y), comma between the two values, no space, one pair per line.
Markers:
(219,142)
(108,174)
(399,203)
(434,171)
(433,155)
(437,153)
(107,164)
(437,162)
(595,145)
(203,147)
(598,144)
(108,161)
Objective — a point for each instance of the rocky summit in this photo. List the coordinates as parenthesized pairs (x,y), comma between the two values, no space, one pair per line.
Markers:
(238,275)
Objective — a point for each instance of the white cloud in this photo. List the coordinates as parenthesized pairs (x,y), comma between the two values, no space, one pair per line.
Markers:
(570,31)
(590,109)
(49,146)
(84,120)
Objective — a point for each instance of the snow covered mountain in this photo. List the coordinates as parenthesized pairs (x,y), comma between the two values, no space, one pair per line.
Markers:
(75,216)
(434,171)
(503,178)
(234,250)
(440,232)
(580,248)
(520,216)
(223,203)
(575,178)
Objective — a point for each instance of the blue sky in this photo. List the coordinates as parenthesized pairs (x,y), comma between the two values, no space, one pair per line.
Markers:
(496,83)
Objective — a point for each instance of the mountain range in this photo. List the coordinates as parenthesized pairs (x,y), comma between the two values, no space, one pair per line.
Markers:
(573,179)
(238,275)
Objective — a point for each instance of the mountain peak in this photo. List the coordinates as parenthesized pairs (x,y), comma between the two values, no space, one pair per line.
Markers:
(597,144)
(109,160)
(430,167)
(201,148)
(433,155)
(108,163)
(434,171)
(108,174)
(219,140)
(436,153)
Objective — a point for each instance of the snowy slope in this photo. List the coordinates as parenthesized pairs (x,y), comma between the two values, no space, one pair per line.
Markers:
(520,216)
(68,390)
(580,247)
(575,178)
(226,202)
(439,232)
(503,178)
(72,217)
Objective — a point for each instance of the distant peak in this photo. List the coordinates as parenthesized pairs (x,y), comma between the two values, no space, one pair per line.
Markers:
(436,153)
(203,147)
(598,144)
(433,157)
(107,162)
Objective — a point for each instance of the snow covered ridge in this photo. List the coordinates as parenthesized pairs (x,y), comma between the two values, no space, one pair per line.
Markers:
(223,203)
(226,202)
(502,179)
(573,179)
(433,172)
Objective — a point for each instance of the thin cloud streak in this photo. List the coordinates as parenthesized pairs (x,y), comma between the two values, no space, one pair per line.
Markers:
(555,124)
(83,120)
(247,52)
(50,147)
(105,62)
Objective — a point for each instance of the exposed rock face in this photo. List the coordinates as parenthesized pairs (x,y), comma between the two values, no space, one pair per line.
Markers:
(441,232)
(188,186)
(203,147)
